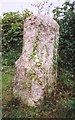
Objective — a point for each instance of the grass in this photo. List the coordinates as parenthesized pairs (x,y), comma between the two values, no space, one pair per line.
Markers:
(61,104)
(7,83)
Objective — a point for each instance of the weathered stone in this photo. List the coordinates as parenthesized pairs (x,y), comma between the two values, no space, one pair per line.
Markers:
(36,69)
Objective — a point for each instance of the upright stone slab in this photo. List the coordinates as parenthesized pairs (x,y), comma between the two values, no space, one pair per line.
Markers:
(36,69)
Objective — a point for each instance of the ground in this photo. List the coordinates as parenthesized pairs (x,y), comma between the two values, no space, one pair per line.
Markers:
(61,104)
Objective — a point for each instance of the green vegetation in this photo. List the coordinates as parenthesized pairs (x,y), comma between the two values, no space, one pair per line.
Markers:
(12,36)
(66,19)
(61,104)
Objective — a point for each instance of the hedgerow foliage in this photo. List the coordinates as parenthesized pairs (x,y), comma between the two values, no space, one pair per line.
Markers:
(12,35)
(63,100)
(66,18)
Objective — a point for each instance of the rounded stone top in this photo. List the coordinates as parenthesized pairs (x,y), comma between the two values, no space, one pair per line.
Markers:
(46,20)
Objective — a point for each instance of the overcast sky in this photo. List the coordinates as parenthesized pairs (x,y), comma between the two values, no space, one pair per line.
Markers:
(20,5)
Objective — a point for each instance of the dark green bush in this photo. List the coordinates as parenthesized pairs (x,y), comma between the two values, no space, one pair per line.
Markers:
(67,79)
(12,36)
(66,19)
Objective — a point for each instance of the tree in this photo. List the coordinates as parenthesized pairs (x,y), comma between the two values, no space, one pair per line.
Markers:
(65,16)
(43,7)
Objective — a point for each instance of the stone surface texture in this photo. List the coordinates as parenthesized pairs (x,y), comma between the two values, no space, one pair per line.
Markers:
(36,69)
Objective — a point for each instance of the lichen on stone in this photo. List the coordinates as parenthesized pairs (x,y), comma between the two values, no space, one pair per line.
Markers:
(36,68)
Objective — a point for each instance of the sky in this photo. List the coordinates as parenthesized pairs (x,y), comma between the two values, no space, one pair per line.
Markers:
(20,5)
